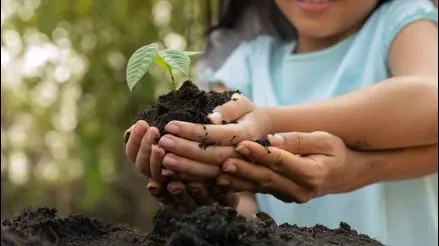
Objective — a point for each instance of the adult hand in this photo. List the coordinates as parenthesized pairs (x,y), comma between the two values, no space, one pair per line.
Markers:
(140,137)
(185,154)
(186,196)
(297,168)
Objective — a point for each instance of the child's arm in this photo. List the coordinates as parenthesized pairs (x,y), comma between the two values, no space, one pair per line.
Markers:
(399,112)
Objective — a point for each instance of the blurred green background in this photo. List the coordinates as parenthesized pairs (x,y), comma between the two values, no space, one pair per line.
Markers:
(65,103)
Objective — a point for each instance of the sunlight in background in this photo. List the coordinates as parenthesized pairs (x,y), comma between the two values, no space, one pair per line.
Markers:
(33,56)
(56,69)
(65,101)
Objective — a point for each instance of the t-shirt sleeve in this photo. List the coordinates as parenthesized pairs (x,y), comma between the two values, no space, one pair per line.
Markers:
(398,14)
(234,73)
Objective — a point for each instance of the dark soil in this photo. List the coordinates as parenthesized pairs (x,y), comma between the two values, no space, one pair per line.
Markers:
(209,225)
(188,103)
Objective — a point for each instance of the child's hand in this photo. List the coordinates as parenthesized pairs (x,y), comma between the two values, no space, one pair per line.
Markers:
(247,122)
(300,167)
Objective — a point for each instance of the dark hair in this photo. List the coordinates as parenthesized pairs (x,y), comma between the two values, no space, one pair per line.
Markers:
(231,11)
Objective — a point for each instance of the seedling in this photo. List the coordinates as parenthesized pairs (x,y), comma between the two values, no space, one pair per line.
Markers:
(143,58)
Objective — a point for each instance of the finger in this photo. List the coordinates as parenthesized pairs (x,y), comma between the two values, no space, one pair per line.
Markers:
(200,193)
(229,134)
(183,165)
(137,133)
(160,192)
(179,193)
(278,160)
(263,179)
(304,143)
(184,177)
(156,159)
(127,133)
(238,106)
(225,196)
(236,184)
(214,155)
(143,157)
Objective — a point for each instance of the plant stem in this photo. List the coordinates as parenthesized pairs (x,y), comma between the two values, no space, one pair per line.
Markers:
(173,85)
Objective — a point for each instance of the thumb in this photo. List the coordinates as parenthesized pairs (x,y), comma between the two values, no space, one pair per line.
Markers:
(303,143)
(238,106)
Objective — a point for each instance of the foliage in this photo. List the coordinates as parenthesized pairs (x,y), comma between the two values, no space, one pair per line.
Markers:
(169,59)
(63,111)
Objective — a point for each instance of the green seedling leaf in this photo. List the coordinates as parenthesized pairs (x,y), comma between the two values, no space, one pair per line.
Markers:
(193,53)
(140,62)
(176,60)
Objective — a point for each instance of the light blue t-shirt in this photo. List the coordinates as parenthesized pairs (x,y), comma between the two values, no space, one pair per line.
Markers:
(266,70)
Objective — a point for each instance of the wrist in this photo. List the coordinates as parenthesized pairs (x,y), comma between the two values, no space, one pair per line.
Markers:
(360,171)
(267,117)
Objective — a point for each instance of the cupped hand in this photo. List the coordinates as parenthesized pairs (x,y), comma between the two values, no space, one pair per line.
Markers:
(140,139)
(186,195)
(296,168)
(232,122)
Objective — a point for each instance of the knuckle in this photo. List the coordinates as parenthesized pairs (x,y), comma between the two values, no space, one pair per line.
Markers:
(267,180)
(304,197)
(326,139)
(221,156)
(295,140)
(243,132)
(315,182)
(278,163)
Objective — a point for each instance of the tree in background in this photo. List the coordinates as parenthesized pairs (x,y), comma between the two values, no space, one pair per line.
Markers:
(65,103)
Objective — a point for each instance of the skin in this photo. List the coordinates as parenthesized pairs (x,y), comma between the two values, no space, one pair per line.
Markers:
(321,30)
(407,139)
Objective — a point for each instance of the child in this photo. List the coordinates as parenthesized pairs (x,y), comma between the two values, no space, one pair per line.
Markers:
(343,46)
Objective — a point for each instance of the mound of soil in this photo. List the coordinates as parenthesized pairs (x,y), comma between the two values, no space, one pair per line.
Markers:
(208,225)
(188,103)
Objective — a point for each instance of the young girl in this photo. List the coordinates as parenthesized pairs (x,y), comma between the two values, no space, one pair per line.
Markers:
(336,49)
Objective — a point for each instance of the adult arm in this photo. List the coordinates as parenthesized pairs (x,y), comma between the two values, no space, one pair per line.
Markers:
(325,166)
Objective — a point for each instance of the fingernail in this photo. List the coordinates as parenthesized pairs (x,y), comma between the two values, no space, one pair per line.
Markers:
(222,182)
(176,192)
(167,173)
(171,128)
(166,142)
(155,132)
(229,168)
(216,118)
(157,152)
(169,162)
(275,140)
(137,129)
(242,149)
(153,190)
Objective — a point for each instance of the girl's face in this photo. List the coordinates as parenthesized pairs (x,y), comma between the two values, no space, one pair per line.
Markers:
(320,19)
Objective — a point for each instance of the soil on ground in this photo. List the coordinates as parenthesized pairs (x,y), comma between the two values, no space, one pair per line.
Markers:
(208,225)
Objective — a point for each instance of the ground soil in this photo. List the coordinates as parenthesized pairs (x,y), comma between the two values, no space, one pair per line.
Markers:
(188,103)
(208,225)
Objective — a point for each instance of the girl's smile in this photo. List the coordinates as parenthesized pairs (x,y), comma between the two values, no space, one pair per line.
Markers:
(322,23)
(315,6)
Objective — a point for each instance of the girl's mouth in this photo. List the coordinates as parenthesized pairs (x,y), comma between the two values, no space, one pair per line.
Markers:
(315,6)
